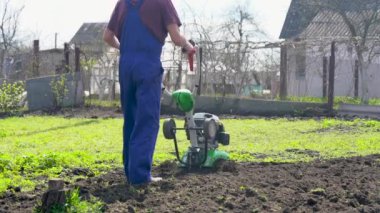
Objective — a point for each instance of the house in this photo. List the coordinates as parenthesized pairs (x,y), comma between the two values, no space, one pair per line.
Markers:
(18,66)
(310,30)
(102,77)
(89,38)
(102,60)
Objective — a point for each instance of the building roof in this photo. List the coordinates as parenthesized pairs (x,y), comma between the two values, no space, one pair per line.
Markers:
(89,33)
(297,19)
(55,50)
(303,13)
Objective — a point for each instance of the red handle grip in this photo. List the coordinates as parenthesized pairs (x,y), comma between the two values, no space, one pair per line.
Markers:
(190,57)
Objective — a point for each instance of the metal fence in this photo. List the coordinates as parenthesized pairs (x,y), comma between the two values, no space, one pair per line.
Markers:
(228,69)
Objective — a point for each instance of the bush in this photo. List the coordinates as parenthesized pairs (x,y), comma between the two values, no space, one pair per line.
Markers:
(10,96)
(59,89)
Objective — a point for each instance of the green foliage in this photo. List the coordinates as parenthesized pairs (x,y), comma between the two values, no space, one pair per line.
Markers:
(375,101)
(59,89)
(75,204)
(88,64)
(337,100)
(10,96)
(34,149)
(318,191)
(102,103)
(347,100)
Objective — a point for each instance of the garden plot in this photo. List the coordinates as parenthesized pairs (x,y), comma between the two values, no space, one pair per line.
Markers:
(279,164)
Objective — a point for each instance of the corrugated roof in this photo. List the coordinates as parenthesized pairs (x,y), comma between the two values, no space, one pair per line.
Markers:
(328,24)
(298,17)
(89,33)
(302,13)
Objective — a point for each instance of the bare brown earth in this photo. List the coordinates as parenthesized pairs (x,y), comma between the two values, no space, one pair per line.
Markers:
(339,185)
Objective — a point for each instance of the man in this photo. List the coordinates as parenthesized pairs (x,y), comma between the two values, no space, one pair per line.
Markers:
(138,28)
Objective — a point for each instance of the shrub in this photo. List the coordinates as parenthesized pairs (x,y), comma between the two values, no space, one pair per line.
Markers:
(10,96)
(59,89)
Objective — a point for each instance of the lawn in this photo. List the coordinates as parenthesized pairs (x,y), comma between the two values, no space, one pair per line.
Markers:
(33,149)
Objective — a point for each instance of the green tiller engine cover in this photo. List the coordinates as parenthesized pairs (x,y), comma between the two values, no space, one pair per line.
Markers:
(184,100)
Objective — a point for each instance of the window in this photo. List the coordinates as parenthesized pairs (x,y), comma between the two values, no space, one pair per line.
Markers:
(301,63)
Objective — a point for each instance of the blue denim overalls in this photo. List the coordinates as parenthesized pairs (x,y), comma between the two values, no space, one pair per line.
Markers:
(140,75)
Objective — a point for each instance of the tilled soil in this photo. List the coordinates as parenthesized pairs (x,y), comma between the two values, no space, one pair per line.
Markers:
(339,185)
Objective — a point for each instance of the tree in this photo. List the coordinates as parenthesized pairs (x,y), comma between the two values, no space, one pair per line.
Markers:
(240,30)
(362,19)
(9,24)
(229,61)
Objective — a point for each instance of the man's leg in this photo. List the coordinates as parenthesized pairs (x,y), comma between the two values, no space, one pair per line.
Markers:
(128,104)
(144,135)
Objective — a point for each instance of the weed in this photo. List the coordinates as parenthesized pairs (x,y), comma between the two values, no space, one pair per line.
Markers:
(318,191)
(74,204)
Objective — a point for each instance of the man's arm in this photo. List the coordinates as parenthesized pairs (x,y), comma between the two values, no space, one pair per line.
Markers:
(110,38)
(178,39)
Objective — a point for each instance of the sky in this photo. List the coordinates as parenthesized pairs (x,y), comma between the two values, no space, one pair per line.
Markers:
(42,19)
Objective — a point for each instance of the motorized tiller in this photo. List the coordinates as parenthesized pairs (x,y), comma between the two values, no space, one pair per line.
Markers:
(204,130)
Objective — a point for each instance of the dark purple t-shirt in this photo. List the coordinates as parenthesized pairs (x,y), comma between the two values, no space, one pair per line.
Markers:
(155,14)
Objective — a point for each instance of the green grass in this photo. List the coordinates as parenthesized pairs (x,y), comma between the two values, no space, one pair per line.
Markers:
(33,149)
(101,103)
(337,100)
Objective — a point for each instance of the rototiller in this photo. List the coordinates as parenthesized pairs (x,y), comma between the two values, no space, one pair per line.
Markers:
(204,130)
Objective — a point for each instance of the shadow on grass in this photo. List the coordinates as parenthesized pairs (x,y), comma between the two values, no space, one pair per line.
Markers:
(84,123)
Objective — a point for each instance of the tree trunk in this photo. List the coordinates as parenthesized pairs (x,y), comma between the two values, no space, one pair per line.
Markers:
(179,77)
(364,78)
(2,64)
(224,86)
(284,72)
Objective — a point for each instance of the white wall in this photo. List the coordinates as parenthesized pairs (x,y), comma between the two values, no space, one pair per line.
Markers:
(311,85)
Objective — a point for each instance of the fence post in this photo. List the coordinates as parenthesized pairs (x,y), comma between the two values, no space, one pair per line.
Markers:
(66,53)
(324,76)
(77,59)
(331,79)
(36,58)
(77,74)
(283,72)
(356,79)
(113,86)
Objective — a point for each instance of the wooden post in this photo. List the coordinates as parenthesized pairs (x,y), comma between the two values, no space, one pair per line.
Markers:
(56,195)
(324,76)
(36,58)
(113,86)
(356,79)
(66,53)
(77,74)
(330,103)
(77,59)
(178,81)
(199,65)
(283,72)
(55,40)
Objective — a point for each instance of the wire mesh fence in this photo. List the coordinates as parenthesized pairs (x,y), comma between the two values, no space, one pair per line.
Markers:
(227,69)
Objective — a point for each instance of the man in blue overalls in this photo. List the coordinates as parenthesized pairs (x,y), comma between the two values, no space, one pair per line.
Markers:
(138,28)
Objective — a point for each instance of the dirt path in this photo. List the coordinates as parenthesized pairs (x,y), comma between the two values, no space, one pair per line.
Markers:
(341,185)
